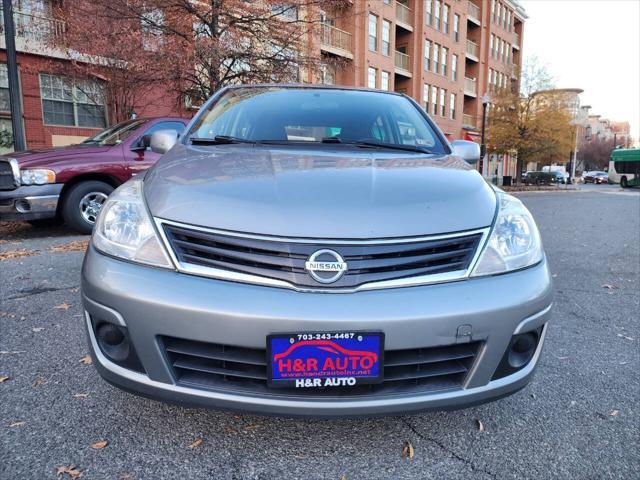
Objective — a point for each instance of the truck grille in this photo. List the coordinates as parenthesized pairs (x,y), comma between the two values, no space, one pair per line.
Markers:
(7,178)
(284,260)
(222,367)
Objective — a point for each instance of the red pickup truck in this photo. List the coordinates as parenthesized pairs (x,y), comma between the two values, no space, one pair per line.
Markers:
(71,183)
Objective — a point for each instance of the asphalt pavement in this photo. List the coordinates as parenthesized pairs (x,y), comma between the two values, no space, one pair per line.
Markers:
(578,419)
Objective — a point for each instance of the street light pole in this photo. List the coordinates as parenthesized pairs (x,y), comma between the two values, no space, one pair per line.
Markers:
(15,98)
(483,146)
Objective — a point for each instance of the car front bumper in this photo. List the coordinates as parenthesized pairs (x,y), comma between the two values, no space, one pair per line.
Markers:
(153,303)
(30,202)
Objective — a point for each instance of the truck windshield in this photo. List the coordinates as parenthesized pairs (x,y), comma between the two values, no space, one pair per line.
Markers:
(116,134)
(297,115)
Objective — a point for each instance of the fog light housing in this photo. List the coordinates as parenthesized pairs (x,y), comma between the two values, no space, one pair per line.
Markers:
(114,343)
(520,351)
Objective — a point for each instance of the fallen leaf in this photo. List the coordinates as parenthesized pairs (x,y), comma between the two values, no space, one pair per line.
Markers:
(80,395)
(609,286)
(248,428)
(63,306)
(99,445)
(11,352)
(39,381)
(74,290)
(37,329)
(479,425)
(70,470)
(625,337)
(75,246)
(86,360)
(614,413)
(16,424)
(3,378)
(196,443)
(8,255)
(407,450)
(343,477)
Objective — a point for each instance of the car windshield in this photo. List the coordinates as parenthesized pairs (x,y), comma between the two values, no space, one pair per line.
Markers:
(116,134)
(315,116)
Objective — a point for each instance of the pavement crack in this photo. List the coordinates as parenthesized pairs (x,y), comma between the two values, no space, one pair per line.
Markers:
(451,452)
(38,290)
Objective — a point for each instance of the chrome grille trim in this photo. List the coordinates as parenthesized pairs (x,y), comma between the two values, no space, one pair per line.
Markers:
(222,274)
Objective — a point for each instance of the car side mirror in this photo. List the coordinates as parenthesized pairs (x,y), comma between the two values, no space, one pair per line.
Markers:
(163,140)
(468,151)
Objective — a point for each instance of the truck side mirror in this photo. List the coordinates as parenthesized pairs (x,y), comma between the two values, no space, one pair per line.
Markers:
(468,151)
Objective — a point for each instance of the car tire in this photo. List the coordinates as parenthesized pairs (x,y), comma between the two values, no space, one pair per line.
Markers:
(82,203)
(624,183)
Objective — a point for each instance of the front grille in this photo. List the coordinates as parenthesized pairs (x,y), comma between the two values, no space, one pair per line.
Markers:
(222,367)
(285,260)
(7,178)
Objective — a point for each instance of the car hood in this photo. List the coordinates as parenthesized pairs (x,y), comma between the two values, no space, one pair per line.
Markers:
(316,193)
(45,156)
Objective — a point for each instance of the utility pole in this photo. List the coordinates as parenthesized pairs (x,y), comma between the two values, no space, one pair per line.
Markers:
(15,98)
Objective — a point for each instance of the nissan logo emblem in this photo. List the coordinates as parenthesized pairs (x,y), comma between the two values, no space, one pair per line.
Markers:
(326,266)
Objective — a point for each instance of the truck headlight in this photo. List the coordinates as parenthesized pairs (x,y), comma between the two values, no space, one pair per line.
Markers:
(124,228)
(514,242)
(37,177)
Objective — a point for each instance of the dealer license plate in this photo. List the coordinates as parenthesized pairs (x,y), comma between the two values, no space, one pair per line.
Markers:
(325,359)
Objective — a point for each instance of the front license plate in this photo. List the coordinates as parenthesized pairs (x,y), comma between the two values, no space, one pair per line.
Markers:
(325,359)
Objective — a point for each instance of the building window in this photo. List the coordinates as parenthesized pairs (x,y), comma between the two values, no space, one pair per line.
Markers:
(328,74)
(77,105)
(5,106)
(428,12)
(384,81)
(290,12)
(445,18)
(443,94)
(445,52)
(498,13)
(152,22)
(452,106)
(493,10)
(371,77)
(387,2)
(454,67)
(427,55)
(509,20)
(373,32)
(436,57)
(504,17)
(456,27)
(501,50)
(437,15)
(425,97)
(386,37)
(434,100)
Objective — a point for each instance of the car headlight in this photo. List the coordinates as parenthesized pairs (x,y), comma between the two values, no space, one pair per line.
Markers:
(37,177)
(124,228)
(514,242)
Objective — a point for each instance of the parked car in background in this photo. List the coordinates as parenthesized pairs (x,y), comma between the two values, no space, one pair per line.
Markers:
(561,177)
(71,183)
(539,178)
(596,177)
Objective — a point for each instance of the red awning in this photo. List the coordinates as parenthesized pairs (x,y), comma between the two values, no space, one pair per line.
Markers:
(472,137)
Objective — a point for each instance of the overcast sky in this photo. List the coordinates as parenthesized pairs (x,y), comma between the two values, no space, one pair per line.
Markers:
(593,45)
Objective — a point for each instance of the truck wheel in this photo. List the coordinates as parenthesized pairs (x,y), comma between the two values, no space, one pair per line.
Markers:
(623,182)
(82,204)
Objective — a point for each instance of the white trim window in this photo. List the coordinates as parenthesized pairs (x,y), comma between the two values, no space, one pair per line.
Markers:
(373,32)
(445,18)
(456,27)
(386,37)
(5,105)
(452,106)
(372,73)
(437,15)
(443,94)
(425,97)
(427,55)
(436,57)
(428,12)
(445,52)
(434,100)
(454,67)
(80,104)
(384,80)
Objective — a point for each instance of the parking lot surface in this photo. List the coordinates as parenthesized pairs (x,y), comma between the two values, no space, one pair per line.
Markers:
(578,418)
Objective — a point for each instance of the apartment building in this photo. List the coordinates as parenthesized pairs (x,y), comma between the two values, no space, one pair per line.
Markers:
(57,110)
(446,54)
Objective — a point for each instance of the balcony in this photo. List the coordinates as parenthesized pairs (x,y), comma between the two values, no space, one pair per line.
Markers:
(336,41)
(516,41)
(403,64)
(469,122)
(472,51)
(34,28)
(470,87)
(473,13)
(404,17)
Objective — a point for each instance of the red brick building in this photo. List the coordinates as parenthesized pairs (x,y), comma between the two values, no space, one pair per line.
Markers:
(56,109)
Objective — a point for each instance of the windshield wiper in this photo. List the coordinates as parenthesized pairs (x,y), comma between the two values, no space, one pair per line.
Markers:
(370,144)
(219,140)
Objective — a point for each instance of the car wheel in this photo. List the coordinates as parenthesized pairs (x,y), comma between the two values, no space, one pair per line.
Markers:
(623,182)
(82,204)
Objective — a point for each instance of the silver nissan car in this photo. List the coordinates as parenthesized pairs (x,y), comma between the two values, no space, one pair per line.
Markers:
(316,251)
